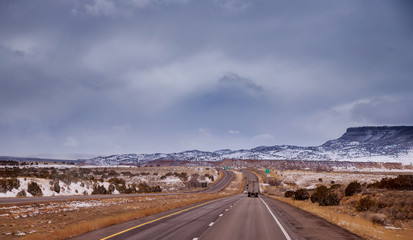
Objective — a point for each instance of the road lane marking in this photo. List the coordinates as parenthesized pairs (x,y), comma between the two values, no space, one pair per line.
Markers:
(276,220)
(221,215)
(155,220)
(226,209)
(195,239)
(212,223)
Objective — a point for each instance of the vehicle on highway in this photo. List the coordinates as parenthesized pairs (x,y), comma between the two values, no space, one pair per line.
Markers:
(252,188)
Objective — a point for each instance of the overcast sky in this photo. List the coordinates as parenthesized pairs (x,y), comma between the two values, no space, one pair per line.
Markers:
(142,76)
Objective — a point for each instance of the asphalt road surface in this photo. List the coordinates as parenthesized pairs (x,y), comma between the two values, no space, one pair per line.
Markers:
(236,217)
(252,182)
(225,180)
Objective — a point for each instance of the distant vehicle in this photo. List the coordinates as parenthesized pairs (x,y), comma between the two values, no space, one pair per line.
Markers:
(252,188)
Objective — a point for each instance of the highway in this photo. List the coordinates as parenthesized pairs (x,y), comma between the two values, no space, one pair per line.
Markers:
(235,217)
(225,180)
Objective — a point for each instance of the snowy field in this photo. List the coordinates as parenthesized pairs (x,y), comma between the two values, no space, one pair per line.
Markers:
(167,178)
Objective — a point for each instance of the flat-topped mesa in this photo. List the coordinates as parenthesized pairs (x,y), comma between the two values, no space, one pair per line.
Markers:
(378,135)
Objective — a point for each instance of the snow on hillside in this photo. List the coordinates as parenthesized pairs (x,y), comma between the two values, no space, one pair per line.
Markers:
(362,144)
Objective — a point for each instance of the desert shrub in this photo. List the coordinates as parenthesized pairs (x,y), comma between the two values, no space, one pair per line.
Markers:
(54,186)
(9,184)
(353,188)
(119,184)
(289,194)
(34,189)
(111,188)
(332,199)
(301,194)
(9,162)
(132,189)
(325,197)
(364,204)
(156,189)
(401,182)
(193,182)
(44,174)
(209,176)
(320,180)
(22,193)
(184,176)
(97,189)
(113,173)
(321,192)
(143,187)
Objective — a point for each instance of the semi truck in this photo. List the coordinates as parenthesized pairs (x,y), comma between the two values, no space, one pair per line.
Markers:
(252,189)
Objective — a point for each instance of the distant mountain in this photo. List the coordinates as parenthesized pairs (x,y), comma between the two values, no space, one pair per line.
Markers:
(376,144)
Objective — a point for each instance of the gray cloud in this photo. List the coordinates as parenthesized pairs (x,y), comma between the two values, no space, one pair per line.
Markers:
(384,111)
(105,76)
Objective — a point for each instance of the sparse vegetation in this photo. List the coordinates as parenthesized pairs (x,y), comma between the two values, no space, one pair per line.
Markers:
(34,189)
(289,194)
(401,182)
(353,188)
(325,197)
(301,194)
(9,184)
(380,205)
(22,193)
(135,180)
(49,225)
(365,204)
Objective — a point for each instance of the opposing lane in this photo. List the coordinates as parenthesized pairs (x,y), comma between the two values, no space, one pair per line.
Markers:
(225,180)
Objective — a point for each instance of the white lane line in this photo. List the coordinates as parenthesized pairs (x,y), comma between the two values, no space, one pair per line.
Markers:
(195,239)
(276,220)
(212,223)
(226,209)
(221,215)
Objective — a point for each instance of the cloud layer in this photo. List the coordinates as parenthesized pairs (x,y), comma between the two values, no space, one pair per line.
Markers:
(106,76)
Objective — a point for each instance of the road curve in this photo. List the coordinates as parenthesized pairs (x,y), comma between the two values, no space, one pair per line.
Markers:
(225,180)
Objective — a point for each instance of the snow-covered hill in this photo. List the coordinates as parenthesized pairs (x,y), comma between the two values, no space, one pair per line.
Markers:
(377,144)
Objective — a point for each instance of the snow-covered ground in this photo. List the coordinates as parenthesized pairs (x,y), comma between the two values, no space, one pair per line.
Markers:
(304,179)
(85,187)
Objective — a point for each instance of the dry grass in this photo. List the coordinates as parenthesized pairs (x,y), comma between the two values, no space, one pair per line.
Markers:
(104,221)
(355,224)
(370,224)
(48,225)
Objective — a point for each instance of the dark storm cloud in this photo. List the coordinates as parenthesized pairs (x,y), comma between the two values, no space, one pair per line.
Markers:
(105,76)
